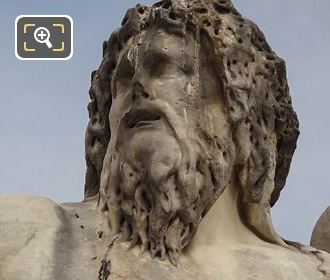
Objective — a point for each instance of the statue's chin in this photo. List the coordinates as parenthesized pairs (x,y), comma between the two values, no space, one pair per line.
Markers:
(151,149)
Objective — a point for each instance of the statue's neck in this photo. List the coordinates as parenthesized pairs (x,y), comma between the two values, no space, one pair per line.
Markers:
(222,227)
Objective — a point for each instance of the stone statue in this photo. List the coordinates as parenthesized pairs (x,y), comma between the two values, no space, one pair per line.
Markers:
(321,234)
(189,144)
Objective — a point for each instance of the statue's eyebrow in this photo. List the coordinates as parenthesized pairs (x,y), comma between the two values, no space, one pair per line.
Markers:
(160,56)
(155,60)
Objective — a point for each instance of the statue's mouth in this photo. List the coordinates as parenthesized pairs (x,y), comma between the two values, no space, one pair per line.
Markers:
(137,118)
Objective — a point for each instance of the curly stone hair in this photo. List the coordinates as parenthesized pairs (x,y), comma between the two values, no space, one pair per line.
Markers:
(264,125)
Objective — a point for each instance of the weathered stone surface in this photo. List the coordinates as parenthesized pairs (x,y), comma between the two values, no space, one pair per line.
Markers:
(321,233)
(196,99)
(190,140)
(41,240)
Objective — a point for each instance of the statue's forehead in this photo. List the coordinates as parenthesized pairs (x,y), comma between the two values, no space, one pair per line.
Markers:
(157,40)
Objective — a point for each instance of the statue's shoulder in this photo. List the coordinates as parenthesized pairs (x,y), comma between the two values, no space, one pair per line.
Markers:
(323,259)
(23,217)
(319,258)
(40,239)
(325,263)
(28,228)
(27,209)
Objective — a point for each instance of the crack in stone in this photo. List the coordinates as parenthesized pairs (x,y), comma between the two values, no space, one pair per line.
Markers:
(105,269)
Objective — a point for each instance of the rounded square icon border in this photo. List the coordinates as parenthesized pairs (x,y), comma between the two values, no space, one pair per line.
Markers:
(63,58)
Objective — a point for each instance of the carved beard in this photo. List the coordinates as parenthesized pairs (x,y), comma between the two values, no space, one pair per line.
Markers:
(160,209)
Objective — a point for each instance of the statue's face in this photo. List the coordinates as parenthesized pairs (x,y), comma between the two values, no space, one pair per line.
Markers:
(159,97)
(167,159)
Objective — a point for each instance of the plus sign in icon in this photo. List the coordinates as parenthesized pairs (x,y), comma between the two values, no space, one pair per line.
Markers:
(44,37)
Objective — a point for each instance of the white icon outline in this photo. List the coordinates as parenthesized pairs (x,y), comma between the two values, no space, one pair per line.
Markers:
(46,41)
(23,58)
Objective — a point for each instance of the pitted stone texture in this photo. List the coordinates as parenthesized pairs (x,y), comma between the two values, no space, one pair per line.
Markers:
(190,140)
(215,99)
(321,234)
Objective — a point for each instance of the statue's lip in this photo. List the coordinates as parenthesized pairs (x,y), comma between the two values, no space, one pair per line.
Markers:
(141,117)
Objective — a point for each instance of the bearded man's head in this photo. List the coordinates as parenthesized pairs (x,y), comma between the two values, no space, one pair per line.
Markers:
(189,98)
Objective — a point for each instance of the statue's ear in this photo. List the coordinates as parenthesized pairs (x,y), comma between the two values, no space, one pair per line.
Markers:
(255,165)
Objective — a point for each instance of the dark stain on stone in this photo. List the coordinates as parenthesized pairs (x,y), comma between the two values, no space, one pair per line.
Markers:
(105,269)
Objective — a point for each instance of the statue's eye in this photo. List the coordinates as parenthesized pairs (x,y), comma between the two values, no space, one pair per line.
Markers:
(156,63)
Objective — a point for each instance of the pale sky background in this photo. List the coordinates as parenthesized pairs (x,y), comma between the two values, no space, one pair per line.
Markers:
(43,112)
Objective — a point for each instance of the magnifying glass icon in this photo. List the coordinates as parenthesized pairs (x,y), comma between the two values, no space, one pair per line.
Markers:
(42,35)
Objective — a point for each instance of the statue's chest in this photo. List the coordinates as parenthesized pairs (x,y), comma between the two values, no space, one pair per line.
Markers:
(243,264)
